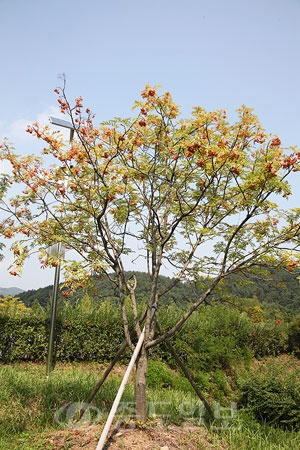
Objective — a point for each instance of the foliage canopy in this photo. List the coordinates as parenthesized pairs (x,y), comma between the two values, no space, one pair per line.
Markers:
(156,188)
(196,196)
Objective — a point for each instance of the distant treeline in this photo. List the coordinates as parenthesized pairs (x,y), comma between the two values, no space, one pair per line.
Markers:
(279,290)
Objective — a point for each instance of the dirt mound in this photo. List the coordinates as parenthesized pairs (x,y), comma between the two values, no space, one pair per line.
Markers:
(152,438)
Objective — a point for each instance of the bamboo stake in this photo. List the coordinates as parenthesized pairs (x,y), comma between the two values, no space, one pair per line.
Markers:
(120,392)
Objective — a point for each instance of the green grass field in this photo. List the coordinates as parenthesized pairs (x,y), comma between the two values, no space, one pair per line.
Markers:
(32,406)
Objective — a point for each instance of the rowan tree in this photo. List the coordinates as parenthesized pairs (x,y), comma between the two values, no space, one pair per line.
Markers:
(198,196)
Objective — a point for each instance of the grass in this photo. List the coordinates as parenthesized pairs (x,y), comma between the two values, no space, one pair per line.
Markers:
(247,434)
(32,405)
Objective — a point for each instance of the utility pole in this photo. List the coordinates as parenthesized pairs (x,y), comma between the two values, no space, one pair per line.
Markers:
(56,249)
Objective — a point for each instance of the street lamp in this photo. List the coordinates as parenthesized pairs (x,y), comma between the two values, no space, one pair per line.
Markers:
(64,124)
(56,249)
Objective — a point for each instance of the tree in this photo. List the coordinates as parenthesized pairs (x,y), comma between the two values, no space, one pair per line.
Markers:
(196,196)
(12,306)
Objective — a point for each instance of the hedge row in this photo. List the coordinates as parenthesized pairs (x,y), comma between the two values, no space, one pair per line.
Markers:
(26,339)
(212,338)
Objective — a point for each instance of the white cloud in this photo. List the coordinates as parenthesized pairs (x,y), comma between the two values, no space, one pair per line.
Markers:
(24,142)
(43,117)
(17,130)
(5,167)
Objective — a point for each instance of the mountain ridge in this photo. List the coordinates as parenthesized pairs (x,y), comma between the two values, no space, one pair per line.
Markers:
(10,291)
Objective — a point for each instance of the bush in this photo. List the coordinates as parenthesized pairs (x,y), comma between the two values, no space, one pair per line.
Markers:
(272,393)
(159,376)
(213,338)
(267,339)
(294,336)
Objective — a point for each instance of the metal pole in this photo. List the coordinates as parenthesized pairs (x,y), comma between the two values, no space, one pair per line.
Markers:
(50,364)
(120,392)
(53,317)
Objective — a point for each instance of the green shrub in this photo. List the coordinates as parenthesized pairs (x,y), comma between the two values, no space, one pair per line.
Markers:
(267,339)
(219,386)
(160,376)
(294,336)
(213,338)
(272,393)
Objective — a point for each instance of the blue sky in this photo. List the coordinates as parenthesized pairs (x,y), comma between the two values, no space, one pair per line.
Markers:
(213,53)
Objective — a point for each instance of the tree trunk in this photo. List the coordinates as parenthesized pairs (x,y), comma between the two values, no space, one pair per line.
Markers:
(140,385)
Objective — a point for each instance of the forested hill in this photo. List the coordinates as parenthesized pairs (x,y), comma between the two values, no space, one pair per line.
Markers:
(282,289)
(103,289)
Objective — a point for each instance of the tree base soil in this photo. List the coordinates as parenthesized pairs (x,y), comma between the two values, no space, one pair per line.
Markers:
(150,438)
